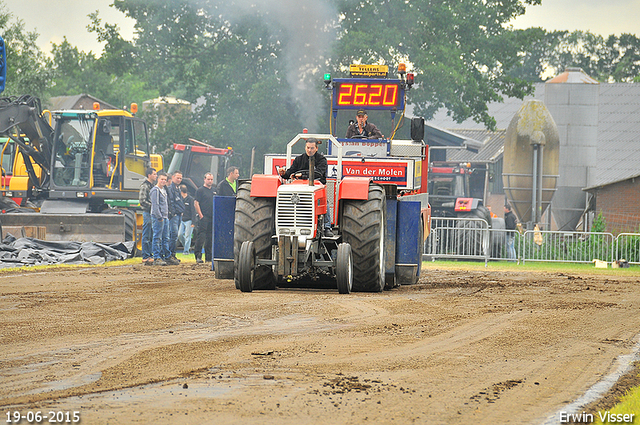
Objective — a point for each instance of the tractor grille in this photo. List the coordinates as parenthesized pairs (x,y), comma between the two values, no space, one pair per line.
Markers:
(295,210)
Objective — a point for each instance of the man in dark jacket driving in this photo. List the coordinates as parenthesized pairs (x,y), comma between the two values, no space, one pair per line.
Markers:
(300,167)
(300,170)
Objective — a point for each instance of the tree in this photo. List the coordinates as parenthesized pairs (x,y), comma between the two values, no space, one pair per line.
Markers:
(76,72)
(223,58)
(28,71)
(605,59)
(461,50)
(534,61)
(119,56)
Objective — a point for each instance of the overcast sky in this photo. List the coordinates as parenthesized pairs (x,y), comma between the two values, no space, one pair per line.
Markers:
(598,16)
(53,19)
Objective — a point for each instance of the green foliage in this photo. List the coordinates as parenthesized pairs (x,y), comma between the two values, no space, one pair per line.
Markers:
(228,61)
(614,58)
(462,51)
(77,72)
(580,269)
(168,125)
(28,70)
(533,61)
(599,224)
(629,404)
(119,55)
(254,69)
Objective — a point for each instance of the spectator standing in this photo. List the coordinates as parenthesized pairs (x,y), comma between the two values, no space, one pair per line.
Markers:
(204,207)
(145,203)
(189,218)
(176,208)
(160,217)
(510,224)
(228,186)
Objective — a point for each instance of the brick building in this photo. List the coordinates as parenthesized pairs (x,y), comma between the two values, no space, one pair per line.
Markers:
(618,203)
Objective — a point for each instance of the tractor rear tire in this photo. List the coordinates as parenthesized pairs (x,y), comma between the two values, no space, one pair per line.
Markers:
(470,239)
(246,266)
(254,222)
(344,268)
(363,229)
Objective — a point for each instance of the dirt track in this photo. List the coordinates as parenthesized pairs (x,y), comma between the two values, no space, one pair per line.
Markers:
(136,344)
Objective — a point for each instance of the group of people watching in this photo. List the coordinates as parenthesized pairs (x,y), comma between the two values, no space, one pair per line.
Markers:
(170,214)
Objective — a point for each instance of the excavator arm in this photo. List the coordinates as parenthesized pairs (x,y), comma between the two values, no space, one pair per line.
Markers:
(21,120)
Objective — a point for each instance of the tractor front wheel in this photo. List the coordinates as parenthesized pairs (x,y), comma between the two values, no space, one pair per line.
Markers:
(344,268)
(246,266)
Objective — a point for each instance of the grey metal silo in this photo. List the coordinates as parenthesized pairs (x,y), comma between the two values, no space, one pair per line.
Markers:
(531,159)
(572,100)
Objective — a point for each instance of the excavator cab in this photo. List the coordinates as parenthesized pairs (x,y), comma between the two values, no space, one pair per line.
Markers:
(73,150)
(97,153)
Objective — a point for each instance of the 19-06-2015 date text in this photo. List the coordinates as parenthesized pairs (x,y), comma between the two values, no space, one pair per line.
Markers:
(37,417)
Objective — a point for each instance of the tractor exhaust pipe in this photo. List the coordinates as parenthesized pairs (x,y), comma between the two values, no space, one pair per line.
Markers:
(312,168)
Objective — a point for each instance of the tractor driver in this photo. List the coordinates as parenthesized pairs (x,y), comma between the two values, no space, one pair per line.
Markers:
(363,129)
(300,170)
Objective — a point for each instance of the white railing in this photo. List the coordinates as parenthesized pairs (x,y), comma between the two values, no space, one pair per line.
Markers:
(471,239)
(500,244)
(568,247)
(461,238)
(628,247)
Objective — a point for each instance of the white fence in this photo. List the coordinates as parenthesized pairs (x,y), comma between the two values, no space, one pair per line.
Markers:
(572,247)
(472,239)
(458,238)
(628,247)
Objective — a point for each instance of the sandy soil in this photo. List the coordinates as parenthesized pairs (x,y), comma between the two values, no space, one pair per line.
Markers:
(134,344)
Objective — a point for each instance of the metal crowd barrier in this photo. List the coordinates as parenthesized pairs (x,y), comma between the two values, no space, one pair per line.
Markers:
(498,239)
(471,239)
(574,247)
(458,238)
(628,247)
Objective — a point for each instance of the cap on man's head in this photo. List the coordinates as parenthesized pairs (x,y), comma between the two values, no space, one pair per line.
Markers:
(361,112)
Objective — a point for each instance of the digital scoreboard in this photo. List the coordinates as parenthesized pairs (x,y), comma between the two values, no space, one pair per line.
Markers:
(355,93)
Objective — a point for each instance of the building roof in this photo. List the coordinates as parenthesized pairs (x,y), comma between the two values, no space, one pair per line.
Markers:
(491,150)
(437,136)
(60,103)
(502,112)
(618,154)
(572,76)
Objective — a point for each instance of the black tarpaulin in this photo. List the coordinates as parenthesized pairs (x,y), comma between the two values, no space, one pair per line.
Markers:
(32,252)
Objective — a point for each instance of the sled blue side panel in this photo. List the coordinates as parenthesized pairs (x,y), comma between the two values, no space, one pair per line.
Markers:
(390,242)
(409,245)
(224,208)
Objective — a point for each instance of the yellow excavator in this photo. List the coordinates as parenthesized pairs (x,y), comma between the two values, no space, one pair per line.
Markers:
(75,173)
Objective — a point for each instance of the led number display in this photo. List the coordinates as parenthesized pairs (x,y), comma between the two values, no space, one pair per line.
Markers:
(368,94)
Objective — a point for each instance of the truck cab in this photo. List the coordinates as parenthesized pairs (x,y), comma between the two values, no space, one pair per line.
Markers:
(197,159)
